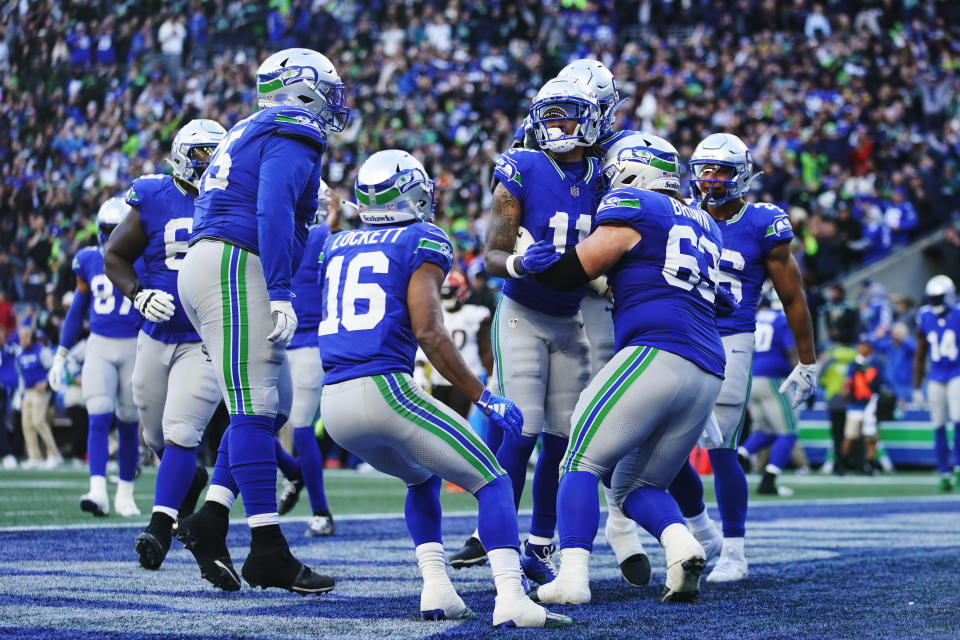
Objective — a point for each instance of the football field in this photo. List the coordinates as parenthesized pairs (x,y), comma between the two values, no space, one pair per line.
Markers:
(853,557)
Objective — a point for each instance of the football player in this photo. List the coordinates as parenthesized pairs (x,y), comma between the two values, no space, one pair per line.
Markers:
(938,325)
(250,228)
(381,297)
(174,385)
(541,353)
(774,420)
(756,243)
(644,411)
(307,373)
(107,368)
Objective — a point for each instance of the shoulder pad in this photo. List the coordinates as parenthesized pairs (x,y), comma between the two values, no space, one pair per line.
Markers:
(628,198)
(300,124)
(433,238)
(512,164)
(143,187)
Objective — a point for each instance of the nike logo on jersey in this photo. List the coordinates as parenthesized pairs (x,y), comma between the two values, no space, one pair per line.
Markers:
(736,351)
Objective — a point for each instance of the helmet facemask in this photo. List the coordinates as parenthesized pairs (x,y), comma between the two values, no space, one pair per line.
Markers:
(563,122)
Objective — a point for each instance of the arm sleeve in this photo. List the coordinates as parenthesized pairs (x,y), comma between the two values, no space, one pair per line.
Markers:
(285,168)
(73,323)
(566,274)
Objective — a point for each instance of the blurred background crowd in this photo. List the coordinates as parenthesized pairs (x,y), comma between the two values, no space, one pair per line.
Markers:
(851,107)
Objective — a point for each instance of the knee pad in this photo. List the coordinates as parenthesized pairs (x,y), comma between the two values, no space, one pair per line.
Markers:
(100,404)
(154,439)
(184,435)
(127,412)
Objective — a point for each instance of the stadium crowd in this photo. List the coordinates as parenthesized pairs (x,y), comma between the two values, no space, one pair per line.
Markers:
(852,108)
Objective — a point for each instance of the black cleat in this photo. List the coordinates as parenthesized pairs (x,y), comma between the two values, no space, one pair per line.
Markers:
(472,554)
(189,504)
(289,495)
(693,568)
(636,570)
(154,542)
(204,534)
(274,566)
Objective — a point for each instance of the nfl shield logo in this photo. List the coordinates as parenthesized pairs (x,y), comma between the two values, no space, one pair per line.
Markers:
(513,322)
(574,191)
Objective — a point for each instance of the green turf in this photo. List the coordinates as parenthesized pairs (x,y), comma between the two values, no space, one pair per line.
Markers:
(33,498)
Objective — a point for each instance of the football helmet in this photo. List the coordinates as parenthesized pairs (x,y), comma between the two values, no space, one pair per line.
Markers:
(111,213)
(940,293)
(724,150)
(454,291)
(643,161)
(392,186)
(559,102)
(307,79)
(192,148)
(596,76)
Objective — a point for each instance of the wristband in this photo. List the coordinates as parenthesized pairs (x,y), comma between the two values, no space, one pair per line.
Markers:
(135,288)
(511,265)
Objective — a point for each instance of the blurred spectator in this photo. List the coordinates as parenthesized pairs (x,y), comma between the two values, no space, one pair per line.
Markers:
(843,319)
(861,390)
(897,351)
(8,386)
(33,362)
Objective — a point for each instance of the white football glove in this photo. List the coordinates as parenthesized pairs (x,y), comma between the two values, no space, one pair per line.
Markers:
(804,381)
(284,321)
(154,305)
(58,370)
(918,398)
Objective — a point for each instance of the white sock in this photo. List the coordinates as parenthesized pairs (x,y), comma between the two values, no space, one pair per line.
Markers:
(125,489)
(476,533)
(676,540)
(98,484)
(263,520)
(220,494)
(540,540)
(505,565)
(774,469)
(575,563)
(700,522)
(743,451)
(432,564)
(172,513)
(732,547)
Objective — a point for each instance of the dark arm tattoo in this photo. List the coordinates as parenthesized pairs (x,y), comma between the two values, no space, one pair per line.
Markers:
(502,231)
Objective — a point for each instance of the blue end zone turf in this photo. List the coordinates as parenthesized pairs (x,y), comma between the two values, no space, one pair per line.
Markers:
(883,569)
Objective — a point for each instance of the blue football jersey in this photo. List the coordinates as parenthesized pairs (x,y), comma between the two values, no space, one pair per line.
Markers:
(111,313)
(941,333)
(307,302)
(166,215)
(773,342)
(664,288)
(748,238)
(556,208)
(260,190)
(613,137)
(365,329)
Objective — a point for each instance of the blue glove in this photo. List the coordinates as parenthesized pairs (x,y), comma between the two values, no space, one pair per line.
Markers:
(502,411)
(538,257)
(725,303)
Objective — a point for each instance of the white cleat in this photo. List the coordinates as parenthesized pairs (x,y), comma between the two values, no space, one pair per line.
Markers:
(731,567)
(319,527)
(125,506)
(522,612)
(443,604)
(710,539)
(9,462)
(564,590)
(95,502)
(685,563)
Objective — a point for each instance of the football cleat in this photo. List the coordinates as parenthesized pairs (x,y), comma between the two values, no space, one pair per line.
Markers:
(289,495)
(710,539)
(471,554)
(636,570)
(685,563)
(189,504)
(563,591)
(319,526)
(152,546)
(537,562)
(125,506)
(274,566)
(96,503)
(731,567)
(514,613)
(204,534)
(622,536)
(443,604)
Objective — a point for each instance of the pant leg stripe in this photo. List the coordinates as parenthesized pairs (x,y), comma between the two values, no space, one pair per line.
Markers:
(434,408)
(578,429)
(244,331)
(497,355)
(235,330)
(629,378)
(408,411)
(785,408)
(225,303)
